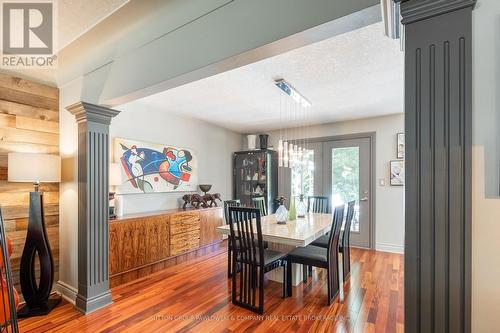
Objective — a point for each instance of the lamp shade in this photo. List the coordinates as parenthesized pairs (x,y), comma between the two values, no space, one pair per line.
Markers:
(32,168)
(115,174)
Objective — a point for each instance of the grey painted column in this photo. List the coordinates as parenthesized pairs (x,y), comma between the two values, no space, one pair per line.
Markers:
(93,229)
(438,125)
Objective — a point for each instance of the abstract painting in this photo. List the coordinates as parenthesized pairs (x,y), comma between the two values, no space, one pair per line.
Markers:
(397,173)
(150,167)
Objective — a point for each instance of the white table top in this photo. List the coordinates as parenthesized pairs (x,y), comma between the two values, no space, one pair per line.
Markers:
(299,232)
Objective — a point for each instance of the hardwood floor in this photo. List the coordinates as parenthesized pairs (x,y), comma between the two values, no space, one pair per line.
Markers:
(195,297)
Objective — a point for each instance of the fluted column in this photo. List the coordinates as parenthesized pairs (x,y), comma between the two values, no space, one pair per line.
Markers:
(438,127)
(93,229)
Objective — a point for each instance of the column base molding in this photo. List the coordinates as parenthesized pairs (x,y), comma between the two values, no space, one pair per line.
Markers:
(88,305)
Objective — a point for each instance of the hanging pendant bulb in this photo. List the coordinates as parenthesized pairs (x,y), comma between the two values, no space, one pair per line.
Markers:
(280,153)
(295,154)
(285,154)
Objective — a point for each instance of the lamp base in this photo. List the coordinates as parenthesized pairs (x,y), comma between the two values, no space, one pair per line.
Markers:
(25,311)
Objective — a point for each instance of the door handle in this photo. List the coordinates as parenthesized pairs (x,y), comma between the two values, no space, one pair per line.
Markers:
(364,199)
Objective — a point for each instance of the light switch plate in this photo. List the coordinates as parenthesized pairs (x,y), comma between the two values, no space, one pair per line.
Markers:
(381,181)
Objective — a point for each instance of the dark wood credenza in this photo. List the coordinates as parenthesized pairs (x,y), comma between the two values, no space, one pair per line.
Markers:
(141,244)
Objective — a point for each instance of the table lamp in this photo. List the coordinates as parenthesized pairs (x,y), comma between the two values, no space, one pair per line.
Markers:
(36,169)
(115,179)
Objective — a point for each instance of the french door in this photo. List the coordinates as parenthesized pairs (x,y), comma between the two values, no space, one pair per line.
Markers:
(346,176)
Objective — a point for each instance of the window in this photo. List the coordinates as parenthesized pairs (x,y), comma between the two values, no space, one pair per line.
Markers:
(303,176)
(345,179)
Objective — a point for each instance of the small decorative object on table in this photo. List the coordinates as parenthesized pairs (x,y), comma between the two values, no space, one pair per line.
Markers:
(281,213)
(301,207)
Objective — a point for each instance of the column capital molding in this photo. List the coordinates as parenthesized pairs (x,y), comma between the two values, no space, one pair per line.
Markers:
(418,10)
(84,111)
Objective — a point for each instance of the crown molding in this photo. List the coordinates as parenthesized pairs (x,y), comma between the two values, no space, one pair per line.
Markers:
(418,10)
(84,111)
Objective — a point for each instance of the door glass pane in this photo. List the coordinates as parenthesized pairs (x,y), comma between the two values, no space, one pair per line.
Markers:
(345,179)
(303,176)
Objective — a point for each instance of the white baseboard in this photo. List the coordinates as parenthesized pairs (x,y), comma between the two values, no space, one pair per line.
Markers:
(386,247)
(68,292)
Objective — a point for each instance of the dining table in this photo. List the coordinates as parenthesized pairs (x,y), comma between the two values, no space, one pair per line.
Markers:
(285,237)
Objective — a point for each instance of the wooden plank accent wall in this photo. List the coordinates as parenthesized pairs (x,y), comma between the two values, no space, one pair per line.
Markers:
(29,123)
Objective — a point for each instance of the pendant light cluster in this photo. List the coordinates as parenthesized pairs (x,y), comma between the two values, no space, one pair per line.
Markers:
(293,145)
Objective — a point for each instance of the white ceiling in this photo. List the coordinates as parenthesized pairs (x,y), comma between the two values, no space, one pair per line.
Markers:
(77,16)
(355,75)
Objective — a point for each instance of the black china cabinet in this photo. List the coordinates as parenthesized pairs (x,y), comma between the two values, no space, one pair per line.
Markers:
(256,175)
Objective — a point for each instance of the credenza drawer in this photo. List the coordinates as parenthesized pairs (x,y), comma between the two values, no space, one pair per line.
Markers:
(184,222)
(183,242)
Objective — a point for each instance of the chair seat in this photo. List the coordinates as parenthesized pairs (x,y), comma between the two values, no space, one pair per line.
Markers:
(323,242)
(270,257)
(310,255)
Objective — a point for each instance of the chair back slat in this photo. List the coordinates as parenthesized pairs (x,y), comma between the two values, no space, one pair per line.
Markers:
(260,203)
(230,203)
(246,237)
(348,222)
(333,241)
(318,204)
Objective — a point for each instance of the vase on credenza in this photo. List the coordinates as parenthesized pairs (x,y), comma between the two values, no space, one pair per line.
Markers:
(118,205)
(281,213)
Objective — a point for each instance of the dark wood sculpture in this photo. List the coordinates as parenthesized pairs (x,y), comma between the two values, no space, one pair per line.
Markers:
(210,199)
(195,200)
(187,200)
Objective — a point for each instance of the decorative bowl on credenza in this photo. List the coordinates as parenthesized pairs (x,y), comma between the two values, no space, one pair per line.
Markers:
(205,188)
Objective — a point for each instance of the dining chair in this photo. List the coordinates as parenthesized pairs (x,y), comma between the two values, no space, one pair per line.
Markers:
(315,204)
(260,203)
(251,260)
(227,204)
(320,257)
(318,204)
(344,247)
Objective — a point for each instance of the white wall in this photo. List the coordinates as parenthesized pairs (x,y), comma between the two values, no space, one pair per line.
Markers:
(486,167)
(389,219)
(212,145)
(68,196)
